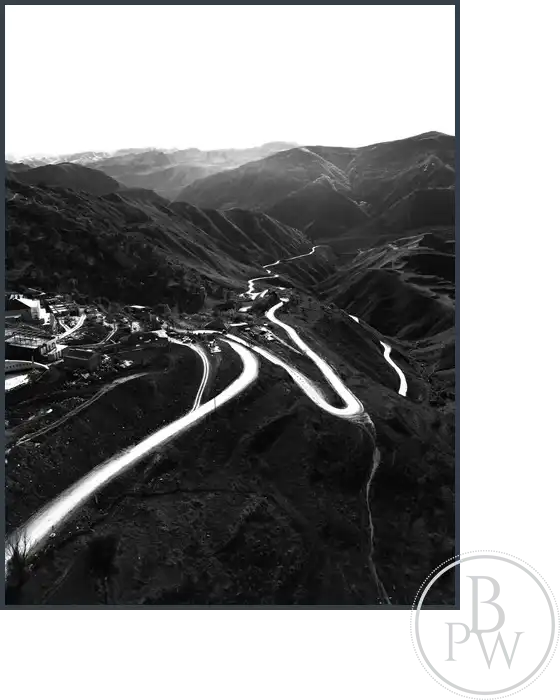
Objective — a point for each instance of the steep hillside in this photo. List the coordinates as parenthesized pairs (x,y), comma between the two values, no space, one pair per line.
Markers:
(133,247)
(241,233)
(421,207)
(70,176)
(320,209)
(138,194)
(404,289)
(339,156)
(384,172)
(14,168)
(420,211)
(263,183)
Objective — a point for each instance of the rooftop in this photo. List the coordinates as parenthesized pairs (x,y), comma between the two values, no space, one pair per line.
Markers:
(80,353)
(26,341)
(13,303)
(30,331)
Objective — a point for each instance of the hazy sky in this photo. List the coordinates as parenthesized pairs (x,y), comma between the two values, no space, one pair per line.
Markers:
(102,77)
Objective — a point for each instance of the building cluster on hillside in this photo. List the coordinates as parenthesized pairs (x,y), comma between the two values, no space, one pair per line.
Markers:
(26,309)
(32,320)
(37,324)
(93,314)
(146,338)
(260,333)
(59,306)
(36,345)
(142,313)
(81,358)
(29,330)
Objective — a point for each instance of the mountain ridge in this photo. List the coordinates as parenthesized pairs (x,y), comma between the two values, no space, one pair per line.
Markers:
(166,171)
(374,181)
(115,242)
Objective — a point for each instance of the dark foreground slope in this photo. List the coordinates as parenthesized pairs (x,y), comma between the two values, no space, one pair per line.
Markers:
(265,502)
(132,247)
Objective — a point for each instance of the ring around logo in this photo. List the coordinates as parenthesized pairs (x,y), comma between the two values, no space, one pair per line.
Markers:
(470,633)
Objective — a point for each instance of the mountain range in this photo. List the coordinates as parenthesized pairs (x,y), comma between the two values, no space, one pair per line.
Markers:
(166,172)
(342,197)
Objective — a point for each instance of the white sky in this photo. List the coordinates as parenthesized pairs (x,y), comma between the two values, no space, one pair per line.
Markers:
(102,77)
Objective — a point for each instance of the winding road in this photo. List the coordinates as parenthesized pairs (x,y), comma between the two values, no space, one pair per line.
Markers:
(387,355)
(109,335)
(35,532)
(75,327)
(403,388)
(205,369)
(353,408)
(295,257)
(251,291)
(30,537)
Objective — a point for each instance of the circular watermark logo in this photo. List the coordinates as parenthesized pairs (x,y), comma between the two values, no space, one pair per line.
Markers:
(502,637)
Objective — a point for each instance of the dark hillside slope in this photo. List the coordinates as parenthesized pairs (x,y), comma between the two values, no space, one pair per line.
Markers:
(404,289)
(307,272)
(320,209)
(422,207)
(15,168)
(397,167)
(247,236)
(139,194)
(420,211)
(71,176)
(339,156)
(262,183)
(128,249)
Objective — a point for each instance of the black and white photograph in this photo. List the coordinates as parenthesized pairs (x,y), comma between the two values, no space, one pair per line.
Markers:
(230,310)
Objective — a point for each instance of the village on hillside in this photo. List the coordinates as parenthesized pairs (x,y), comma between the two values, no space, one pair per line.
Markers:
(52,339)
(42,332)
